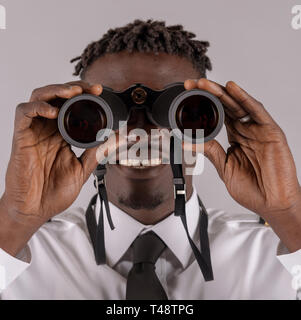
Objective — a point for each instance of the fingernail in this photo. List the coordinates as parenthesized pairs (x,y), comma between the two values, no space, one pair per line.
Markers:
(98,86)
(233,83)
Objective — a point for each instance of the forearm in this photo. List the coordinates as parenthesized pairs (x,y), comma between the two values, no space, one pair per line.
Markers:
(14,233)
(287,225)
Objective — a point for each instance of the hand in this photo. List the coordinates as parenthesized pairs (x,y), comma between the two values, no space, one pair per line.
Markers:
(44,176)
(258,168)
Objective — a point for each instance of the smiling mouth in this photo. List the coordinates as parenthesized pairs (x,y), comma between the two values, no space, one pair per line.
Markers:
(149,155)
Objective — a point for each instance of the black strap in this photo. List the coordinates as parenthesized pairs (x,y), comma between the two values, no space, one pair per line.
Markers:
(96,230)
(261,220)
(203,258)
(204,239)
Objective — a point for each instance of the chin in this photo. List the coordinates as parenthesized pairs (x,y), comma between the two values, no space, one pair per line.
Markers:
(146,202)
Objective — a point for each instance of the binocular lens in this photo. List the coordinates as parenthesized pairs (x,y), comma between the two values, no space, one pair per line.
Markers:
(83,120)
(197,112)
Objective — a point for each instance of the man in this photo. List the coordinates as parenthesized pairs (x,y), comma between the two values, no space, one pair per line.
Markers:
(55,260)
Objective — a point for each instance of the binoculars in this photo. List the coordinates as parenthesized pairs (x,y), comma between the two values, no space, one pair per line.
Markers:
(85,118)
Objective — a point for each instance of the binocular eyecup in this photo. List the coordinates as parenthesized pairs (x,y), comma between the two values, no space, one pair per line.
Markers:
(84,120)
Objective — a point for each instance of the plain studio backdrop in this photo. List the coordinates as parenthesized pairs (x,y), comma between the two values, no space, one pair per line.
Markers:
(252,43)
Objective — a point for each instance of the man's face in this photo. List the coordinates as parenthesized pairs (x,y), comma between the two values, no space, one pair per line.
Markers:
(121,70)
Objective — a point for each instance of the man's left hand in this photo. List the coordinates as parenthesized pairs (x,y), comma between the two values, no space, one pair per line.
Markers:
(258,168)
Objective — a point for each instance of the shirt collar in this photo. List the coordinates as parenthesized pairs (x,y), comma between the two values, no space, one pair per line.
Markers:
(170,230)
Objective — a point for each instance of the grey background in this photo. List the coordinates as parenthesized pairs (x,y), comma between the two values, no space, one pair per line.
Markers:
(252,43)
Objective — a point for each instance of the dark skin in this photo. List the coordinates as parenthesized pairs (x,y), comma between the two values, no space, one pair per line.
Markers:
(120,71)
(44,176)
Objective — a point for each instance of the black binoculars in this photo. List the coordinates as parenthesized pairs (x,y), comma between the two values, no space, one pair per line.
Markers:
(84,118)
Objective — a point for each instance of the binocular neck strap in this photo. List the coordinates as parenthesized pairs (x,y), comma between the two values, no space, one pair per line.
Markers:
(203,257)
(96,230)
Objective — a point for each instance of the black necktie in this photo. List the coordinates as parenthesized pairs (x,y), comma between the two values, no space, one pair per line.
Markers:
(142,282)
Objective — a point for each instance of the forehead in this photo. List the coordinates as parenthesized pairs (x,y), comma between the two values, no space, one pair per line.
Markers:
(120,70)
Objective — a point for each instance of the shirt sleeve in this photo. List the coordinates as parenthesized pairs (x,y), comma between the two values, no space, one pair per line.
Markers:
(292,263)
(12,267)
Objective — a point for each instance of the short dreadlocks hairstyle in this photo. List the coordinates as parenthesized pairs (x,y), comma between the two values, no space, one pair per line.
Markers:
(147,36)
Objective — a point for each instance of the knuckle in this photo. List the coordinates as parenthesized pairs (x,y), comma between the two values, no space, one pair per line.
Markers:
(20,112)
(244,99)
(55,88)
(277,133)
(210,148)
(282,135)
(37,105)
(203,82)
(35,93)
(20,107)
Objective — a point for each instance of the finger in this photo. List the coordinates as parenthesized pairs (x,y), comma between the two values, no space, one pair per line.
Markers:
(89,162)
(233,109)
(249,130)
(249,104)
(193,83)
(54,91)
(235,137)
(190,84)
(25,112)
(217,156)
(214,152)
(95,89)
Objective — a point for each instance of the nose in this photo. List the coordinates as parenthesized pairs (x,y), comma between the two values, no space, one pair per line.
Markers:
(138,119)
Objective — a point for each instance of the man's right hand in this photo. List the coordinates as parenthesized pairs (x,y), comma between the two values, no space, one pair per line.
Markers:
(44,176)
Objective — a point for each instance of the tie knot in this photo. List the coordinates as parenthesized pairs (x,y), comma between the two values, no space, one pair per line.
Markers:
(148,248)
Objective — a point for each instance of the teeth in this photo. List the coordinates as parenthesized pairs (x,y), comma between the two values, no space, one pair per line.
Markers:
(146,163)
(140,163)
(156,162)
(123,162)
(134,163)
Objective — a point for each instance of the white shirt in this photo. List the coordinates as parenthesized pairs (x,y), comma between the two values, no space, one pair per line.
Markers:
(59,263)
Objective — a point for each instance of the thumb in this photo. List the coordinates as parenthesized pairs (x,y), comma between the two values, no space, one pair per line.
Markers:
(89,162)
(217,156)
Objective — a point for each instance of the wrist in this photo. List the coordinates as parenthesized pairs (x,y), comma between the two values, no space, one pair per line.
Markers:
(15,229)
(287,225)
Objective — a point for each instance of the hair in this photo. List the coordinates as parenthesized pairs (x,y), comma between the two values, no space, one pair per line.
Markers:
(147,36)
